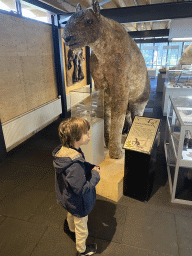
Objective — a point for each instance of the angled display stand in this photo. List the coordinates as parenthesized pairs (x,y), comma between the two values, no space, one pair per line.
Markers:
(140,156)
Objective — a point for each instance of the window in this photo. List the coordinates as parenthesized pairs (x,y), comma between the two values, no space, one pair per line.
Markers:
(34,12)
(139,45)
(147,51)
(172,55)
(28,10)
(158,55)
(179,45)
(146,45)
(161,59)
(8,5)
(186,44)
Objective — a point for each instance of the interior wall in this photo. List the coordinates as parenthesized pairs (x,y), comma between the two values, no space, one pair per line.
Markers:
(27,67)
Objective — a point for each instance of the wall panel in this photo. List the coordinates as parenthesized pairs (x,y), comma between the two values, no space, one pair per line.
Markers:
(27,78)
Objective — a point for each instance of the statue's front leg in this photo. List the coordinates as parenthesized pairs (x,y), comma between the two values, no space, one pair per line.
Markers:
(118,112)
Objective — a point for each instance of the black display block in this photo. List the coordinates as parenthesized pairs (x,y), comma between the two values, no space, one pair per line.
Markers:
(140,158)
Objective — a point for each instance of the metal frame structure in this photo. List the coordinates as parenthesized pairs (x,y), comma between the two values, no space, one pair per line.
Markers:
(59,67)
(89,78)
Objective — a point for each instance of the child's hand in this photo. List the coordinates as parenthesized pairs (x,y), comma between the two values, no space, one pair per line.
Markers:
(97,168)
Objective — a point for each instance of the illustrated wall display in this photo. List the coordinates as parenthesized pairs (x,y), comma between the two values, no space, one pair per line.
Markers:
(142,134)
(74,65)
(116,65)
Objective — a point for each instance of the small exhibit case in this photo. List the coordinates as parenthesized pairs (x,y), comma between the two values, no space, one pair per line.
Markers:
(177,82)
(179,78)
(88,103)
(178,148)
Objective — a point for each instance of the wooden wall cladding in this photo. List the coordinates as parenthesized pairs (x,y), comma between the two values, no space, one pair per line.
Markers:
(27,67)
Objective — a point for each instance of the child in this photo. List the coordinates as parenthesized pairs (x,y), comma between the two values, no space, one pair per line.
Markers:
(75,180)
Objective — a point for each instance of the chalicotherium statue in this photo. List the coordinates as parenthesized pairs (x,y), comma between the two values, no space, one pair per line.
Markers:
(117,66)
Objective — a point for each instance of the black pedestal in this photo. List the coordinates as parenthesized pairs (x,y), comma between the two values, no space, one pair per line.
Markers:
(138,175)
(140,158)
(139,172)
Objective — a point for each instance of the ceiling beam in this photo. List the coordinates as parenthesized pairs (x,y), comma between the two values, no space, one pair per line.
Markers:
(63,6)
(120,3)
(149,12)
(104,2)
(153,40)
(149,33)
(45,6)
(65,17)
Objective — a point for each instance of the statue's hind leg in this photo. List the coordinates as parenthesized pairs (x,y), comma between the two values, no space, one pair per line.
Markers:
(127,123)
(128,120)
(137,109)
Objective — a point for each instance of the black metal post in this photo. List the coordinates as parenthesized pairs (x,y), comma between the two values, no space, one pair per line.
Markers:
(3,151)
(59,67)
(89,78)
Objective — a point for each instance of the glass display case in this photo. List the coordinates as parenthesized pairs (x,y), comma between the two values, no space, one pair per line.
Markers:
(179,78)
(178,148)
(177,82)
(89,104)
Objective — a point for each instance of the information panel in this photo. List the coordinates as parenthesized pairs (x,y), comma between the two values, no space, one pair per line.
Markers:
(142,134)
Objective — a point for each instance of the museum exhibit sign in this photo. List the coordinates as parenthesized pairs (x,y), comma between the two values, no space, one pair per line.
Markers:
(140,157)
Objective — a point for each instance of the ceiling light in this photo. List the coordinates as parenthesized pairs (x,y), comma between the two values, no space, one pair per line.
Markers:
(182,39)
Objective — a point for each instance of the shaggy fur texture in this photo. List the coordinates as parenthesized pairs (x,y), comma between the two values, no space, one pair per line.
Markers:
(117,66)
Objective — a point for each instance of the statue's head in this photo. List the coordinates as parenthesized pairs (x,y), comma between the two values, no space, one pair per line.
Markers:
(83,27)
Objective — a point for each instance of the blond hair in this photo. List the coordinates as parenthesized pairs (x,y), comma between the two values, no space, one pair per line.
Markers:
(71,130)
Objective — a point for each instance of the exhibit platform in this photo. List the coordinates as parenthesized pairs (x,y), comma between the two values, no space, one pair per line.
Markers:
(111,182)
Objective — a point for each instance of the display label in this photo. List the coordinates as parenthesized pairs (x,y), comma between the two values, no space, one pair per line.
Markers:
(142,134)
